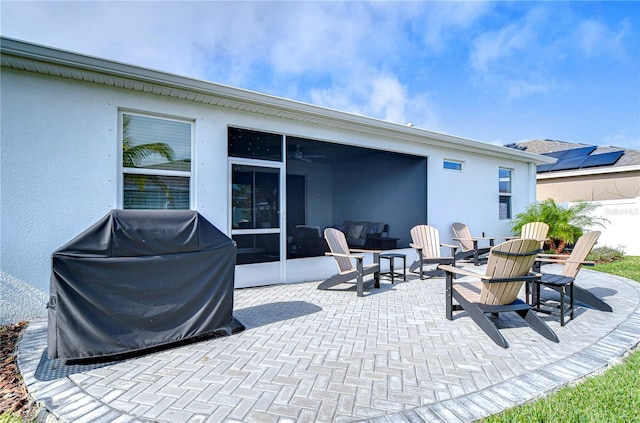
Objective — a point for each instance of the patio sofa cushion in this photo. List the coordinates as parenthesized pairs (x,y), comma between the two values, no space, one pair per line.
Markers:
(357,232)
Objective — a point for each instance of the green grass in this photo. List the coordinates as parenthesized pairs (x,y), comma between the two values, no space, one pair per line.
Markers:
(10,418)
(613,396)
(629,267)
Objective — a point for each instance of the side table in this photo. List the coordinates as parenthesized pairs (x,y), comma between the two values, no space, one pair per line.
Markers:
(391,257)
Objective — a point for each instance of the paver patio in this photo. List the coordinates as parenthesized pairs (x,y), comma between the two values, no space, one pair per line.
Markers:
(322,356)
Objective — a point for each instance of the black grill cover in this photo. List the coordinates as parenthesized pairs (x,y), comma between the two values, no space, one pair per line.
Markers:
(138,279)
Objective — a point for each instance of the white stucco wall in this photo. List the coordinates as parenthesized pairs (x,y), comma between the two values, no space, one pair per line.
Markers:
(60,174)
(471,196)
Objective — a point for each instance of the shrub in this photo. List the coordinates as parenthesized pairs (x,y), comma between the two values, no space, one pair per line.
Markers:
(606,254)
(566,224)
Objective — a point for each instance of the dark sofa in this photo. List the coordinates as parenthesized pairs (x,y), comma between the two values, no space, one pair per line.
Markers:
(357,232)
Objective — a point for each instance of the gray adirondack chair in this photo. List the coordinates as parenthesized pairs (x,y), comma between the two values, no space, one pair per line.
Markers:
(496,291)
(351,266)
(426,241)
(564,282)
(469,248)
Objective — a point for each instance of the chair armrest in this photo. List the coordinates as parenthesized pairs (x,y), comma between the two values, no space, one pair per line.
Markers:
(417,247)
(450,246)
(529,277)
(465,239)
(586,263)
(552,260)
(458,271)
(354,256)
(559,256)
(376,254)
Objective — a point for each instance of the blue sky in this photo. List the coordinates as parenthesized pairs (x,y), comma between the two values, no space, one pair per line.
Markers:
(497,72)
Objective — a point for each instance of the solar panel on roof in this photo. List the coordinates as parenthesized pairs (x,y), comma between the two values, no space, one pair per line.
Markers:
(581,161)
(566,164)
(544,167)
(604,159)
(571,153)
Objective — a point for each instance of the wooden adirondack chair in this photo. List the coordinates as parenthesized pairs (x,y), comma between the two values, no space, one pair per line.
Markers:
(508,267)
(564,283)
(533,230)
(426,241)
(468,244)
(347,271)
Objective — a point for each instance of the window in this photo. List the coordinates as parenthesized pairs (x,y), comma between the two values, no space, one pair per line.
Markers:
(156,162)
(452,165)
(254,144)
(504,184)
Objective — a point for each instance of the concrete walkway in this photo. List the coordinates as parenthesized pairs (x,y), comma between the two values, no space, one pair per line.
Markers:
(323,356)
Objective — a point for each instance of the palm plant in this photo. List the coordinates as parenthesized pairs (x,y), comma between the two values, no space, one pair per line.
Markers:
(133,156)
(566,224)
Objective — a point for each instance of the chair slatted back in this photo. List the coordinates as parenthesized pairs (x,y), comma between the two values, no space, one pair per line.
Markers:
(535,230)
(462,231)
(428,238)
(521,253)
(338,244)
(580,252)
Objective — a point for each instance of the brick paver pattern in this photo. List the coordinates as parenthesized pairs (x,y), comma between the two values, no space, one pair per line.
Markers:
(323,356)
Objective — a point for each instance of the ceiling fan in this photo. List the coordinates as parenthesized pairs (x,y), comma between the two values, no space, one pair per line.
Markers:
(298,155)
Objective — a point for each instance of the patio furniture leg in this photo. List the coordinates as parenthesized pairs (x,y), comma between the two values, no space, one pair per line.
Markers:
(392,270)
(563,292)
(571,299)
(481,319)
(538,324)
(449,296)
(360,280)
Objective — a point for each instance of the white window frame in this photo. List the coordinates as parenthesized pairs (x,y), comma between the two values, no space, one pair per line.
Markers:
(153,172)
(508,194)
(455,162)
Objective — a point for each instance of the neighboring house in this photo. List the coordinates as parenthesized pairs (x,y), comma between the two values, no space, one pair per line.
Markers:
(254,165)
(607,176)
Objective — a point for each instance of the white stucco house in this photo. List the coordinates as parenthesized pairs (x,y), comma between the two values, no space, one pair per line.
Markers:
(254,165)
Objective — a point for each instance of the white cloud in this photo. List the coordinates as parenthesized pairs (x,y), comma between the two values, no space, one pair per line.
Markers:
(514,61)
(381,96)
(490,48)
(442,20)
(594,38)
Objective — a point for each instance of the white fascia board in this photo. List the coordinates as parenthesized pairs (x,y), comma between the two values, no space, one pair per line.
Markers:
(587,172)
(15,51)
